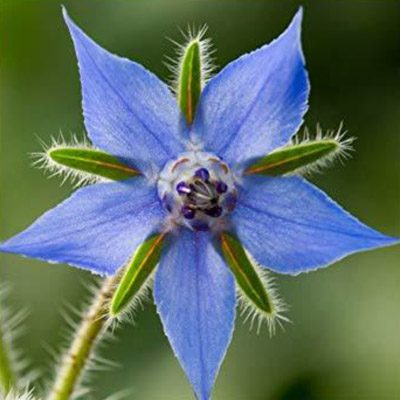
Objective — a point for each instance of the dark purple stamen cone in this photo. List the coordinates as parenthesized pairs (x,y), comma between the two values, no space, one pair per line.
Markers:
(188,212)
(183,188)
(214,212)
(221,187)
(199,225)
(230,202)
(203,174)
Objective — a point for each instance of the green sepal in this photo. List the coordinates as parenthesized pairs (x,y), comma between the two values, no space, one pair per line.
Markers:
(190,80)
(245,274)
(294,157)
(136,273)
(92,161)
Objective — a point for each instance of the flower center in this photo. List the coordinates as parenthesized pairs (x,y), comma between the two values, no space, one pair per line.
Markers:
(198,190)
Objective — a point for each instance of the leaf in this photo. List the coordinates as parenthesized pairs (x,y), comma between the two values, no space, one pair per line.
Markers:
(189,88)
(294,157)
(92,161)
(245,274)
(135,275)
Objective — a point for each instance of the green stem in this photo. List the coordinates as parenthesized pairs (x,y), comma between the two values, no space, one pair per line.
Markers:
(84,342)
(7,377)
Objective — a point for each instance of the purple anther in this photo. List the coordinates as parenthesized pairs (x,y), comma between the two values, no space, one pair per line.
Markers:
(183,188)
(221,187)
(199,225)
(188,212)
(230,202)
(214,212)
(203,174)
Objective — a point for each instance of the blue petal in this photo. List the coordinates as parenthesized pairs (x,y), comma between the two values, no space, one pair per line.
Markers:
(256,103)
(290,226)
(97,228)
(195,296)
(128,111)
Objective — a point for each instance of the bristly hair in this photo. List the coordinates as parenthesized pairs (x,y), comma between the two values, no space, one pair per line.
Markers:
(341,154)
(25,395)
(138,302)
(96,363)
(11,329)
(42,160)
(253,314)
(174,64)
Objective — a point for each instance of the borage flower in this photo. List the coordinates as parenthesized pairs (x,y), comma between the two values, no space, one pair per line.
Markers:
(196,182)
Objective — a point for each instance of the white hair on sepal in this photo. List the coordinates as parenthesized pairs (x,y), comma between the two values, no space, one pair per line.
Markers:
(253,314)
(128,314)
(174,64)
(341,154)
(42,160)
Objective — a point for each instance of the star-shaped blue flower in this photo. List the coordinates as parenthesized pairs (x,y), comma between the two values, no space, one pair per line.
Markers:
(193,187)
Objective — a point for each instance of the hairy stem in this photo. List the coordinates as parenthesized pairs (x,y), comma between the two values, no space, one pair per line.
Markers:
(7,377)
(84,342)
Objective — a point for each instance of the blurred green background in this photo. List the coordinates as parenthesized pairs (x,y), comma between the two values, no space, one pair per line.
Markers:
(344,342)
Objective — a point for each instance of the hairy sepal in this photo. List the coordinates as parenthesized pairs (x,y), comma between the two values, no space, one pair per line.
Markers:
(304,155)
(256,292)
(136,274)
(190,81)
(92,161)
(191,69)
(76,160)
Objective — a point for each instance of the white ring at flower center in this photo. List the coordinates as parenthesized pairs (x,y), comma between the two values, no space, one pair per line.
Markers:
(183,171)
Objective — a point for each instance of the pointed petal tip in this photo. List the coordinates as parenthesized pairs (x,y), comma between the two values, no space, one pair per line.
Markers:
(198,331)
(291,32)
(382,241)
(272,77)
(386,241)
(76,32)
(295,24)
(116,90)
(299,14)
(65,14)
(306,241)
(77,232)
(69,22)
(3,247)
(203,396)
(10,246)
